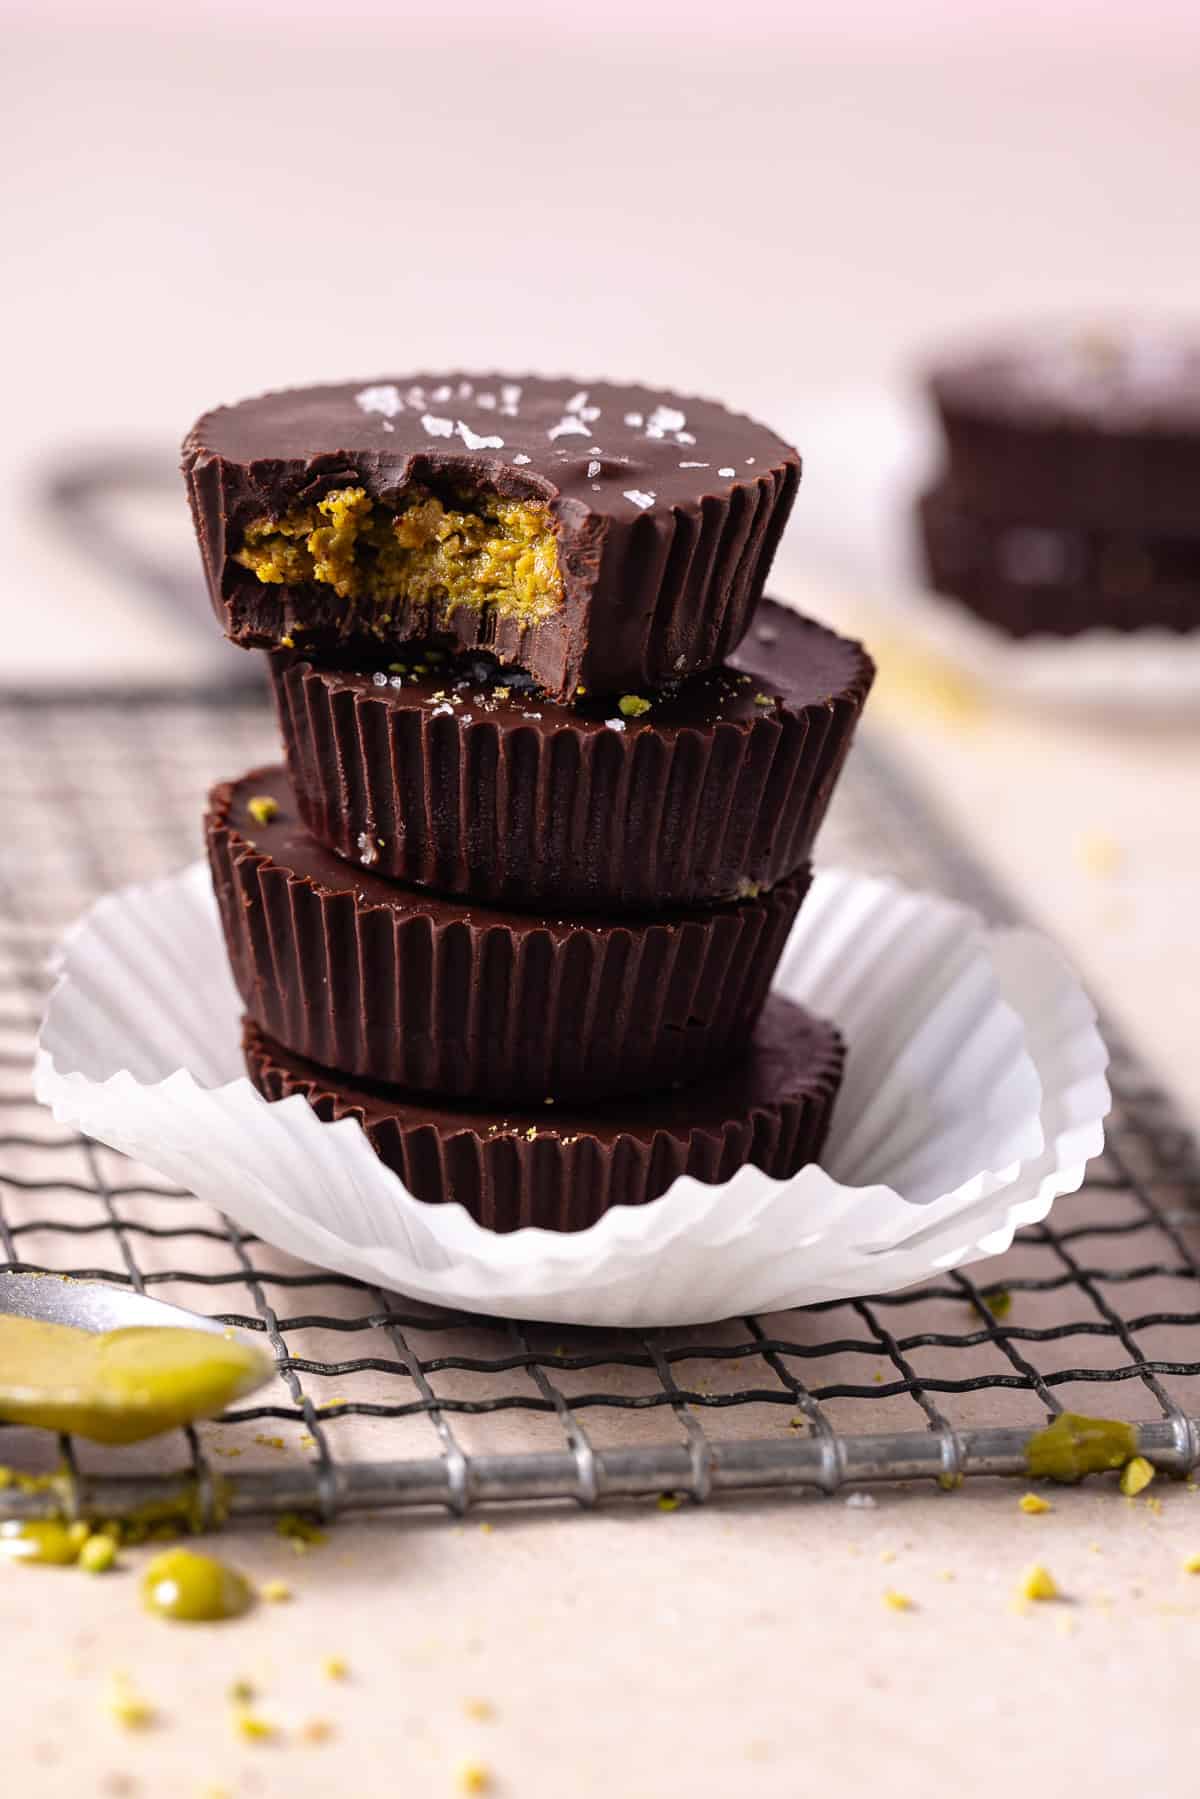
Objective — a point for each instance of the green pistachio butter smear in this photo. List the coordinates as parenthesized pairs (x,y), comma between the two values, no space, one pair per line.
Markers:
(1074,1446)
(194,1589)
(120,1386)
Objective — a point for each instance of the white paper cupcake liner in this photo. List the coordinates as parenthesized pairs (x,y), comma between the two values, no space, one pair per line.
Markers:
(974,1095)
(878,452)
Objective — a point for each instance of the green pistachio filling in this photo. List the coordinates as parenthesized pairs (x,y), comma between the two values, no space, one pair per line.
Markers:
(468,550)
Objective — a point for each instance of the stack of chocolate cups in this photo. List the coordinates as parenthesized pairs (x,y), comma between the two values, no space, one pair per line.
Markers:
(553,776)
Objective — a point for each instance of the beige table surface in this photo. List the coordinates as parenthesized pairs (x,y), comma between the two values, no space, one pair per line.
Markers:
(744,1648)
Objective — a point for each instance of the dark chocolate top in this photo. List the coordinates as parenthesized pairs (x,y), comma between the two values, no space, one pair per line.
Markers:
(1103,379)
(610,448)
(284,842)
(785,664)
(792,1053)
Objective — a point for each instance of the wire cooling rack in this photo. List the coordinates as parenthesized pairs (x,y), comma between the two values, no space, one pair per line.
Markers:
(382,1402)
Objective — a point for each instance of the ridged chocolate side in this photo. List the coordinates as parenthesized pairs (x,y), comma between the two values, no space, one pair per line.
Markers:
(1068,471)
(1029,579)
(356,973)
(526,802)
(649,594)
(509,1170)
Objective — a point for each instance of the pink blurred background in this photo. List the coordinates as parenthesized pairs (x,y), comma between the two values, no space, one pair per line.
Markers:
(787,206)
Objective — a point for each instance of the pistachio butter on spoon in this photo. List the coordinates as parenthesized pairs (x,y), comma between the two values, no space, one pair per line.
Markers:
(111,1365)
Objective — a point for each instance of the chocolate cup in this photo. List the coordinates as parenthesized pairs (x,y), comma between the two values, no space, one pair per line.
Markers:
(667,513)
(1032,579)
(392,985)
(1082,428)
(519,801)
(561,1170)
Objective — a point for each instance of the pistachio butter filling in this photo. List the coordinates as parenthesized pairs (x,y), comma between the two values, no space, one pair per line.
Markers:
(466,550)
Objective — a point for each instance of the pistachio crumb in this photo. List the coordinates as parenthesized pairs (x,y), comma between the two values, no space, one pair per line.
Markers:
(1136,1476)
(301,1532)
(127,1706)
(486,1529)
(316,1730)
(287,642)
(669,1502)
(252,1727)
(241,1691)
(580,692)
(276,1592)
(897,1602)
(1037,1582)
(763,699)
(474,1777)
(1192,1565)
(262,809)
(501,693)
(269,1442)
(335,1667)
(632,705)
(998,1302)
(481,1709)
(1034,1504)
(98,1554)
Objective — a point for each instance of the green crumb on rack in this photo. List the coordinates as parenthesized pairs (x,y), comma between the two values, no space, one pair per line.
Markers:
(998,1302)
(262,808)
(669,1502)
(632,705)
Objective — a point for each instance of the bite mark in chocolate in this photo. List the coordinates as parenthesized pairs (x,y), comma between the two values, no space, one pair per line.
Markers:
(586,547)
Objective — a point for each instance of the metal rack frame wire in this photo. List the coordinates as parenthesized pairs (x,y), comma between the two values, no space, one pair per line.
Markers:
(106,789)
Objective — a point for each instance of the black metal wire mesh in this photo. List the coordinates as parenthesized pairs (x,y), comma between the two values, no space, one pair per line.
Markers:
(382,1401)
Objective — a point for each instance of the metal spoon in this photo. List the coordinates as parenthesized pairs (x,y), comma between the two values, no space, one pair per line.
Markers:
(119,1393)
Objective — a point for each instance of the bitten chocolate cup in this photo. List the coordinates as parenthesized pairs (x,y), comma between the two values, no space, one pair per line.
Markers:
(1031,579)
(596,534)
(455,775)
(563,1170)
(392,985)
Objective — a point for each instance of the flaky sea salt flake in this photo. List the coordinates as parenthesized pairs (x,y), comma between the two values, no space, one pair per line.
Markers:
(666,418)
(615,724)
(638,498)
(634,420)
(433,426)
(473,440)
(521,458)
(384,398)
(693,465)
(728,473)
(593,470)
